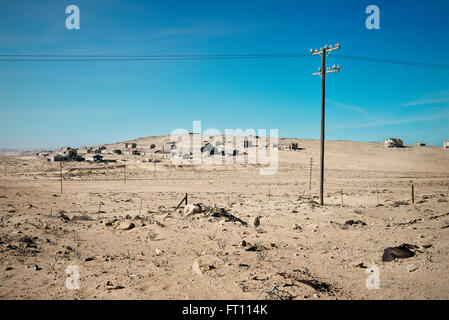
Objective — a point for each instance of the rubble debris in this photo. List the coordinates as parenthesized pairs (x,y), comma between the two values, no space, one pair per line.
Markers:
(218,213)
(354,222)
(401,252)
(192,209)
(62,215)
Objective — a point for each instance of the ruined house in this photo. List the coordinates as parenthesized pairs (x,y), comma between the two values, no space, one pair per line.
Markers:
(446,144)
(289,146)
(209,149)
(393,143)
(130,145)
(95,158)
(57,157)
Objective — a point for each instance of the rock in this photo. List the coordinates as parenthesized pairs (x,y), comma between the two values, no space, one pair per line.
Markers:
(352,222)
(411,268)
(158,252)
(9,268)
(109,222)
(89,259)
(255,222)
(403,251)
(192,209)
(201,266)
(196,268)
(35,267)
(126,225)
(296,227)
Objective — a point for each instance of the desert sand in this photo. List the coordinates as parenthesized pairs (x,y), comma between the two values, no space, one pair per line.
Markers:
(129,242)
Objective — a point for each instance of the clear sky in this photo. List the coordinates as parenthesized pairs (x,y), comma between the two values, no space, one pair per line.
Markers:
(50,104)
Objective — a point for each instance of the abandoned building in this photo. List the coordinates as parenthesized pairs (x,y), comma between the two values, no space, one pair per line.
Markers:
(420,144)
(393,143)
(130,145)
(158,154)
(132,152)
(57,157)
(44,154)
(446,144)
(95,158)
(289,146)
(209,149)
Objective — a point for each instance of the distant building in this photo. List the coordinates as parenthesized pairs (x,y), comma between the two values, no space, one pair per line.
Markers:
(160,154)
(393,143)
(446,144)
(133,152)
(209,149)
(130,145)
(95,158)
(43,154)
(168,147)
(289,146)
(420,144)
(57,157)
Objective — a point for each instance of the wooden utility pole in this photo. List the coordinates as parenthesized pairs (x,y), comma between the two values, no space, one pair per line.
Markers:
(413,193)
(310,177)
(124,171)
(377,191)
(323,52)
(60,172)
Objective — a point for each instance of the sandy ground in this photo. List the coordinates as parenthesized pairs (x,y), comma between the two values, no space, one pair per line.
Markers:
(217,257)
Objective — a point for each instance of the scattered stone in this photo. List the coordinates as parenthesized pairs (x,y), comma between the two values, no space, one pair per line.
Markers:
(158,252)
(35,267)
(296,227)
(411,268)
(89,259)
(126,225)
(401,252)
(63,216)
(356,222)
(201,266)
(196,268)
(255,222)
(9,268)
(109,222)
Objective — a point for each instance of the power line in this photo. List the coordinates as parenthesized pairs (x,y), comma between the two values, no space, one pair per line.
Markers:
(22,58)
(92,57)
(401,62)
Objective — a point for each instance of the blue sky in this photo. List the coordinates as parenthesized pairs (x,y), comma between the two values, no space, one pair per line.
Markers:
(50,104)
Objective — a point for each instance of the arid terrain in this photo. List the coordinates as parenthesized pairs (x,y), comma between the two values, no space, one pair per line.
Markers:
(129,242)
